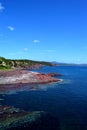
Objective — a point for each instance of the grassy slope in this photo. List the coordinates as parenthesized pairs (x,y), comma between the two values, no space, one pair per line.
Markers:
(9,63)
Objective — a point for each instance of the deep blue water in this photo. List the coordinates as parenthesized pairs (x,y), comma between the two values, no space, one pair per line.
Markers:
(67,100)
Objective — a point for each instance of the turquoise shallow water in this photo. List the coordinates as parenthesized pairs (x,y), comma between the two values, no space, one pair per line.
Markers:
(66,101)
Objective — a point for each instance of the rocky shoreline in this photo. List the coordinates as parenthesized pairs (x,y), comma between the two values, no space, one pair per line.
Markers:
(12,118)
(25,76)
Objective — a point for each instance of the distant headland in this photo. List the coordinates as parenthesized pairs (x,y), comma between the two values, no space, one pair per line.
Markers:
(20,72)
(6,64)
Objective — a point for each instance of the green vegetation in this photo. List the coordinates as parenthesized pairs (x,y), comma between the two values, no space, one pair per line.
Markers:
(9,63)
(4,67)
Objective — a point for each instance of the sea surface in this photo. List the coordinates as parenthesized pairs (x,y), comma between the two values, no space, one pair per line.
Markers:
(66,101)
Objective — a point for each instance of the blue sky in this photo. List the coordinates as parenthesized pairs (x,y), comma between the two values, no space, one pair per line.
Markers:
(46,30)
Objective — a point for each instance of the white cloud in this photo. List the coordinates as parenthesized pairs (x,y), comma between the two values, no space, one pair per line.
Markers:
(1,7)
(15,53)
(36,41)
(11,28)
(25,49)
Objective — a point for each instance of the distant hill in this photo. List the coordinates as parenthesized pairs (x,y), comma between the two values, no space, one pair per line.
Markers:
(67,64)
(22,63)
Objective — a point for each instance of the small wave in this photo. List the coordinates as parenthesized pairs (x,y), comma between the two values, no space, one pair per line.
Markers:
(66,81)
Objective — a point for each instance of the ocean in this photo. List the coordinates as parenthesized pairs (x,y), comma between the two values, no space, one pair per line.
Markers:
(65,102)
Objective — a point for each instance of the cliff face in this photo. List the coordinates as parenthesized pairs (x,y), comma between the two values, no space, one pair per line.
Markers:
(8,63)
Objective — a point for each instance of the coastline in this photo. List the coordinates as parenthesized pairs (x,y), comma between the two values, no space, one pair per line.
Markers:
(19,79)
(25,76)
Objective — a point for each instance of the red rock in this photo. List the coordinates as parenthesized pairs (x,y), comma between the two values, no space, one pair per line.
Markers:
(54,74)
(46,78)
(24,76)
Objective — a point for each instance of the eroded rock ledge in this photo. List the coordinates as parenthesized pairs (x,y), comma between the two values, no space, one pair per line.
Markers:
(25,76)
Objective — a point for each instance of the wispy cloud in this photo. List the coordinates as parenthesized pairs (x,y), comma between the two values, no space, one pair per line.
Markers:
(1,7)
(36,41)
(18,52)
(11,28)
(15,53)
(25,49)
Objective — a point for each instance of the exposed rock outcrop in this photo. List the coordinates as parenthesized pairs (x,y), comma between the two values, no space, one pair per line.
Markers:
(54,74)
(24,76)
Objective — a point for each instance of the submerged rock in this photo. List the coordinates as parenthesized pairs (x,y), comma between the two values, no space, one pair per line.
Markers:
(12,118)
(15,119)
